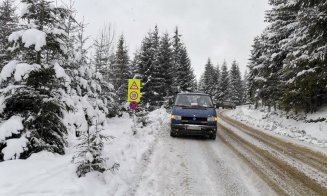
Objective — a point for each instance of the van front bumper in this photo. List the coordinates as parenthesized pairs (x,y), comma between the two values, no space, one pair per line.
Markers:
(189,129)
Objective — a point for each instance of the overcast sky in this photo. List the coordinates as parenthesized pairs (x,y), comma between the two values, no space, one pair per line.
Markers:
(219,29)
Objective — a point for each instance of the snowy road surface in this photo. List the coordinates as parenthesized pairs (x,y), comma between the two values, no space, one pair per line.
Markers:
(241,161)
(288,167)
(197,166)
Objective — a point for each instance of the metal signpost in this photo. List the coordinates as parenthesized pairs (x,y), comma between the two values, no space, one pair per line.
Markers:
(134,97)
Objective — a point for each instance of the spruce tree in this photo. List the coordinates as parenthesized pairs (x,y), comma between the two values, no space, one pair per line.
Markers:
(166,71)
(103,45)
(224,96)
(255,82)
(209,78)
(121,70)
(245,84)
(34,87)
(177,47)
(217,81)
(8,24)
(157,77)
(89,154)
(235,84)
(287,64)
(305,69)
(186,76)
(144,67)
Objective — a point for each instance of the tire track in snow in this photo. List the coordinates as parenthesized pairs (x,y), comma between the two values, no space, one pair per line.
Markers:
(284,177)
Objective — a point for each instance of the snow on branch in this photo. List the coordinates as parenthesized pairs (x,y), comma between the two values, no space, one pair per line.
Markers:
(10,126)
(29,37)
(20,70)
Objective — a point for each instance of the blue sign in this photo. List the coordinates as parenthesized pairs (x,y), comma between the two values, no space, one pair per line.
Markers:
(133,105)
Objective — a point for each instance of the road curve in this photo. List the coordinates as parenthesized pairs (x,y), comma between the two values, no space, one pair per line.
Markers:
(290,169)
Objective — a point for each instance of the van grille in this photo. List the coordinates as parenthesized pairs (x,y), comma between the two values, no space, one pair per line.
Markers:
(194,120)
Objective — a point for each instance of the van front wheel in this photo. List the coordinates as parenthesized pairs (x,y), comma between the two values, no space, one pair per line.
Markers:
(213,136)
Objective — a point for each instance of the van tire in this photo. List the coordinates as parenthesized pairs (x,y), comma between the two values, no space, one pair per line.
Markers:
(213,136)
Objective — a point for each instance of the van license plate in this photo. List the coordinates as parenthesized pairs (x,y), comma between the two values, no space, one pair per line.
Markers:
(194,127)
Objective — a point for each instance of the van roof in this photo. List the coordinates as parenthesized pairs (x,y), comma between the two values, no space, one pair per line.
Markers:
(192,93)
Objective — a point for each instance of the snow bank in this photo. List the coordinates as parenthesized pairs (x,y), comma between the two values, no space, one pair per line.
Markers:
(14,147)
(132,151)
(310,128)
(51,174)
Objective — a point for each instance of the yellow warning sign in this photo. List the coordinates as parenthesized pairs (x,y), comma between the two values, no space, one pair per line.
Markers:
(134,92)
(134,86)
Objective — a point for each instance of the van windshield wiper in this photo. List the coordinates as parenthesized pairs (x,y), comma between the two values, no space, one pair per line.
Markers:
(193,106)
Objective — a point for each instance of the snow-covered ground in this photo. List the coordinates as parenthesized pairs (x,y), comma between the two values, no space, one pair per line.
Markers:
(310,129)
(48,174)
(151,163)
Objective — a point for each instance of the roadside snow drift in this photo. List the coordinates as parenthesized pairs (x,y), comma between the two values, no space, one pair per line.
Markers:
(310,128)
(49,174)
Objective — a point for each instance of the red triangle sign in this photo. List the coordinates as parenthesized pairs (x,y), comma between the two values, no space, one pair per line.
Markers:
(134,86)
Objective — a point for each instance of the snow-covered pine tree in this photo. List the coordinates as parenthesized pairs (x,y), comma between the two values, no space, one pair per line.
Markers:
(89,156)
(144,67)
(103,45)
(8,24)
(305,71)
(235,84)
(91,104)
(103,76)
(255,82)
(217,83)
(287,65)
(245,84)
(177,47)
(275,36)
(200,85)
(186,76)
(166,70)
(34,80)
(209,78)
(162,68)
(224,83)
(121,69)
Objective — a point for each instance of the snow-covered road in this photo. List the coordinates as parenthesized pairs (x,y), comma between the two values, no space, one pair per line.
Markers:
(241,161)
(197,166)
(289,168)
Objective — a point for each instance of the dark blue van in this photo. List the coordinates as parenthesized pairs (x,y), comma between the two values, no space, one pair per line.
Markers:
(193,114)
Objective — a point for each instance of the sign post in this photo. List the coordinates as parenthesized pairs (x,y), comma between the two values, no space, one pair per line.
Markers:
(134,97)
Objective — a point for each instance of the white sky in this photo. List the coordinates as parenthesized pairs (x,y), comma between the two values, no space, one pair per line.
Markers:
(219,29)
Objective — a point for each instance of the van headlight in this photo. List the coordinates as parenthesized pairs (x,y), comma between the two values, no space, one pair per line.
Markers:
(212,119)
(175,117)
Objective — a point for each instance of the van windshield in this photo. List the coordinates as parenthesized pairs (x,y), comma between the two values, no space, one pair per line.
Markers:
(190,100)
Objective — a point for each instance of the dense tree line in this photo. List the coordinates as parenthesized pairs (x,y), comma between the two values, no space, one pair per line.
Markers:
(223,85)
(53,87)
(163,65)
(288,66)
